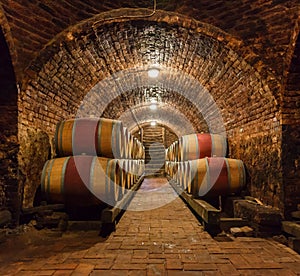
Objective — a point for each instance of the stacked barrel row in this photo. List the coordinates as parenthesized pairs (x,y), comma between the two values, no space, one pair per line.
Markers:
(198,163)
(97,161)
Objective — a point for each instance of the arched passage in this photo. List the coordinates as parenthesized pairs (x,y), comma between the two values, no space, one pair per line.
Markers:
(93,60)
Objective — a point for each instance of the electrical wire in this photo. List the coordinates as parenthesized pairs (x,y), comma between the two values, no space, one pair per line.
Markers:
(129,16)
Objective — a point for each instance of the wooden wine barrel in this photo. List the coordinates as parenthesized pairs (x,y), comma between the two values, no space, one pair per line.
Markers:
(167,167)
(141,151)
(117,168)
(128,168)
(135,148)
(141,167)
(173,169)
(186,176)
(180,174)
(81,180)
(90,136)
(175,166)
(130,145)
(176,152)
(130,173)
(124,166)
(127,144)
(217,176)
(197,146)
(169,152)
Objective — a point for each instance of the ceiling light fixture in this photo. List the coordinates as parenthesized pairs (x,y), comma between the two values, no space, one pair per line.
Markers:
(153,123)
(153,72)
(153,106)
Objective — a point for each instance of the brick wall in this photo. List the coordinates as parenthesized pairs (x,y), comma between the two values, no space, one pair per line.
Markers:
(291,133)
(170,137)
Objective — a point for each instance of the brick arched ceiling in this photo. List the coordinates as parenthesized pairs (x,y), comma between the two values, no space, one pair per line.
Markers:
(140,100)
(264,26)
(166,115)
(96,63)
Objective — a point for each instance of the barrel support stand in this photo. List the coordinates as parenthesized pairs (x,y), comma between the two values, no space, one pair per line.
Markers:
(209,215)
(110,215)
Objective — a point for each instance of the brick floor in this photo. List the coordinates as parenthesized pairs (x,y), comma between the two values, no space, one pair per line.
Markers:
(164,239)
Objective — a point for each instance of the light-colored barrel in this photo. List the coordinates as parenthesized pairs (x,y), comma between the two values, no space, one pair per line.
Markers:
(217,176)
(81,180)
(90,136)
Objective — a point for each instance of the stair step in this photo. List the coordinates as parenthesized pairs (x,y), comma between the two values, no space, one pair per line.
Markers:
(155,153)
(154,172)
(153,166)
(153,159)
(148,143)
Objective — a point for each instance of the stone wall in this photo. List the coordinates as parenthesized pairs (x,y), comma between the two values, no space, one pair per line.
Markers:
(36,150)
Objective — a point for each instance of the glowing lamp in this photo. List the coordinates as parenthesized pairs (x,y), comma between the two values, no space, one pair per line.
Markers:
(153,72)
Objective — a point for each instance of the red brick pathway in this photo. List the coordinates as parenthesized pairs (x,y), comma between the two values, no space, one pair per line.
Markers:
(163,241)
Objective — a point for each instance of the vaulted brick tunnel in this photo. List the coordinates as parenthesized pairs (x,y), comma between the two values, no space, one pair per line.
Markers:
(227,68)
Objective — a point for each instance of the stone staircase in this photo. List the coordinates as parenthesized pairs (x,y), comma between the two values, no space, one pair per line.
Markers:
(153,140)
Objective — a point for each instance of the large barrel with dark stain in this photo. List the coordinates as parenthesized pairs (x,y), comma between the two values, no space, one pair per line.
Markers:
(82,180)
(196,146)
(90,136)
(216,176)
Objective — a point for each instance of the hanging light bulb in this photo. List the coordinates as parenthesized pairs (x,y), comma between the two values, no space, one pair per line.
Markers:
(153,72)
(153,106)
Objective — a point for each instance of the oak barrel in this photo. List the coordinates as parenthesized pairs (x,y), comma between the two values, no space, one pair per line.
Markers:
(90,136)
(216,176)
(81,180)
(197,146)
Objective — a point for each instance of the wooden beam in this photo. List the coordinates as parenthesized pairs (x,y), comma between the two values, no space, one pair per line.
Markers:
(291,228)
(209,214)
